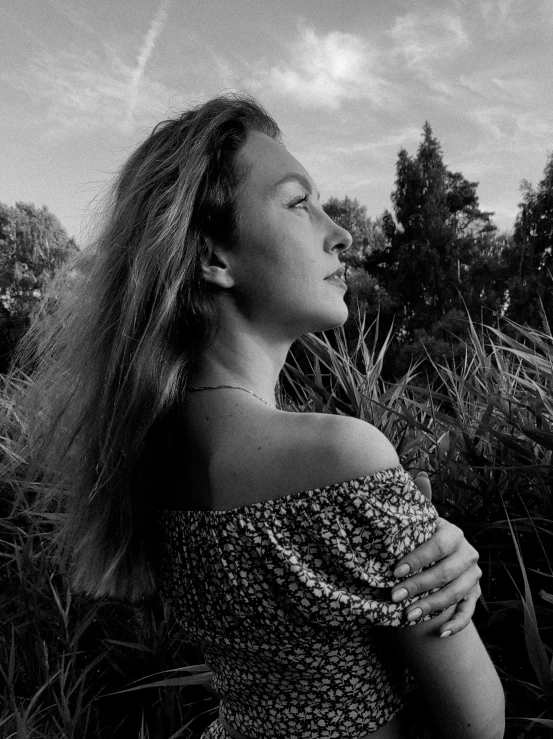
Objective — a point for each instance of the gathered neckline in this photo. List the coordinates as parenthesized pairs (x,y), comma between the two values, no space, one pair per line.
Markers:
(284,499)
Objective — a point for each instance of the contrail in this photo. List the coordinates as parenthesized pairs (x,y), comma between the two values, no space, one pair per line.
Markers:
(144,55)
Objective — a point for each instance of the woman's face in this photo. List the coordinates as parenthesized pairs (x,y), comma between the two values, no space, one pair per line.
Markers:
(287,245)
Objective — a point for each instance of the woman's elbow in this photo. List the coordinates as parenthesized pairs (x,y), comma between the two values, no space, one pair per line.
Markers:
(496,730)
(493,725)
(484,720)
(497,714)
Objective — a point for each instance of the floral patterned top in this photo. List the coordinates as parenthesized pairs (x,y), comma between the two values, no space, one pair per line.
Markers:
(282,598)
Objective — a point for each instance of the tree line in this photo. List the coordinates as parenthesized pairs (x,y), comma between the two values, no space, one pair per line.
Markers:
(33,245)
(418,271)
(421,269)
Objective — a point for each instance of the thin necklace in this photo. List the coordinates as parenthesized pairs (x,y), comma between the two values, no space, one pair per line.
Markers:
(233,387)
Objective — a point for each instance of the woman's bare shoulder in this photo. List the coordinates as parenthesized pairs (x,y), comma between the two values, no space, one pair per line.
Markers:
(346,447)
(298,452)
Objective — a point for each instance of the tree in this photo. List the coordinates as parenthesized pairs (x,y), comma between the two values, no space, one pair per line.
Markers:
(433,237)
(33,245)
(437,233)
(530,259)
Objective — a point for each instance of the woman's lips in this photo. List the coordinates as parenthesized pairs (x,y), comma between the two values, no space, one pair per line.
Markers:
(337,281)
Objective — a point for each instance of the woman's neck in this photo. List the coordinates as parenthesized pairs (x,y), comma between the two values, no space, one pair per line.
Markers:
(251,365)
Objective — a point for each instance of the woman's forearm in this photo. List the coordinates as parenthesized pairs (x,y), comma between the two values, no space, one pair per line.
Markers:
(452,566)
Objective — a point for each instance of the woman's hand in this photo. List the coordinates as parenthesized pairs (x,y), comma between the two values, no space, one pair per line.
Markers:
(455,572)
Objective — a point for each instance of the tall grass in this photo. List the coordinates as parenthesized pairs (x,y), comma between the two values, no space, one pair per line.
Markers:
(64,657)
(71,667)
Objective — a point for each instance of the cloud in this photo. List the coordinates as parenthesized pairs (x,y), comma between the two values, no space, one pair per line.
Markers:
(144,56)
(423,42)
(323,71)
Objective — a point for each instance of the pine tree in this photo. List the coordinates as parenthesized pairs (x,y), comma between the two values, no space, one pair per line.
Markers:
(434,237)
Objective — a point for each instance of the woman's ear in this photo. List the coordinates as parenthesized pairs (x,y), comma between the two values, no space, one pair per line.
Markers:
(216,267)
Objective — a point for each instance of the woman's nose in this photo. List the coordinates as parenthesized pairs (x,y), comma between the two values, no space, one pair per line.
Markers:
(338,239)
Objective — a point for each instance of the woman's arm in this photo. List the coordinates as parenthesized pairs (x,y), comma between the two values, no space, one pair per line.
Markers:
(349,448)
(455,572)
(456,678)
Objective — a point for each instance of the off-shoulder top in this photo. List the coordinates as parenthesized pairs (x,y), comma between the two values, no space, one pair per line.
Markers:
(282,598)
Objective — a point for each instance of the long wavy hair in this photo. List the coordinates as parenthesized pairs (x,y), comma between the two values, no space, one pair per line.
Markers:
(117,334)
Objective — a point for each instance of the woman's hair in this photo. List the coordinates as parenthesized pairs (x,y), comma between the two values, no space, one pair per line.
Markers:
(123,323)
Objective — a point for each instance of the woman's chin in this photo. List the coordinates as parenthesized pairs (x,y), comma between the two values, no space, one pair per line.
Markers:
(342,314)
(334,320)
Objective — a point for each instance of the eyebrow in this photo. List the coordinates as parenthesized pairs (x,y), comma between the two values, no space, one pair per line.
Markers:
(297,177)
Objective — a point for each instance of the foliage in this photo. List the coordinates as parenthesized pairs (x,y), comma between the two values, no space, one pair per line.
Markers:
(33,245)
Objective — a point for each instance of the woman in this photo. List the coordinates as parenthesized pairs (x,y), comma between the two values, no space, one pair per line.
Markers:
(273,534)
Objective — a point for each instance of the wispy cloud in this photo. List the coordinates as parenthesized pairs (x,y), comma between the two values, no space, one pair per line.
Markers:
(496,120)
(498,16)
(146,51)
(512,126)
(496,85)
(323,71)
(70,10)
(81,92)
(385,143)
(84,90)
(507,107)
(425,41)
(328,70)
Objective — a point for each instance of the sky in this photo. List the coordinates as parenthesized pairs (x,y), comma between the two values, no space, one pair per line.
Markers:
(350,83)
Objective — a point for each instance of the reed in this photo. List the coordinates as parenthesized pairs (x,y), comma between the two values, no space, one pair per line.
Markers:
(72,668)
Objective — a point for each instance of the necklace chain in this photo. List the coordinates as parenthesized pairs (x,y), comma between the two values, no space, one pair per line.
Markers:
(233,387)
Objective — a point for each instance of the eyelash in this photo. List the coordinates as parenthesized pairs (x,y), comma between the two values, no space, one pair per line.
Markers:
(301,202)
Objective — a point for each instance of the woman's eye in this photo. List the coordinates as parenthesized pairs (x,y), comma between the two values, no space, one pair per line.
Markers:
(301,203)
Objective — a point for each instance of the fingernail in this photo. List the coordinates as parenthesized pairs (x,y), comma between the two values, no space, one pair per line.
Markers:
(445,633)
(412,615)
(400,594)
(401,571)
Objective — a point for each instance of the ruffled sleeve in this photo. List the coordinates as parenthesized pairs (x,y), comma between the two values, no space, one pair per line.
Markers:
(325,556)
